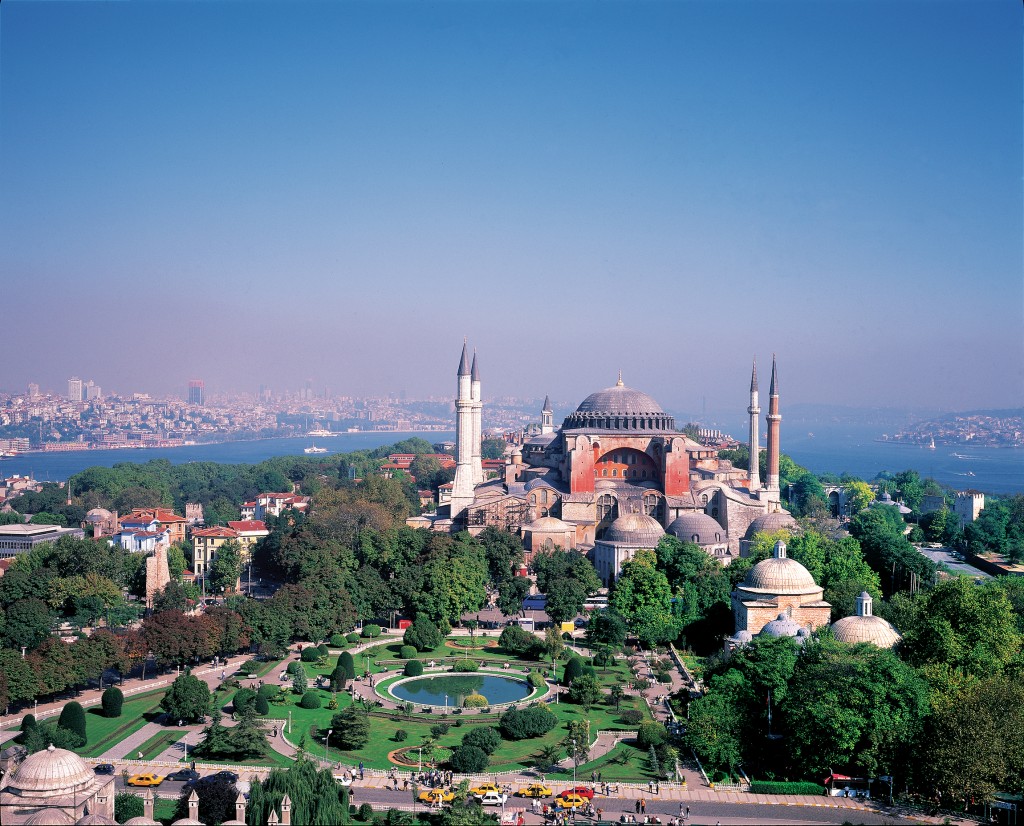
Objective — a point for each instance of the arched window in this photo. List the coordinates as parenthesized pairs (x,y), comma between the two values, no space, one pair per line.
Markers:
(544,496)
(607,507)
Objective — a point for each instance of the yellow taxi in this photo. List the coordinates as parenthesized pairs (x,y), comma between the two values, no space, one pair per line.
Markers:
(435,796)
(144,780)
(484,788)
(570,801)
(535,790)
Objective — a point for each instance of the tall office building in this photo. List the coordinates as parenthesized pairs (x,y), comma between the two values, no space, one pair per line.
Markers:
(196,392)
(74,389)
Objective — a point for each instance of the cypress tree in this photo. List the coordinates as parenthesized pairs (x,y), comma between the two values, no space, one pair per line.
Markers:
(28,721)
(112,702)
(345,661)
(573,669)
(72,718)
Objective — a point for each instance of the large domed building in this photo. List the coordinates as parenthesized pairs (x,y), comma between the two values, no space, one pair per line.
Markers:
(616,456)
(55,786)
(865,626)
(779,589)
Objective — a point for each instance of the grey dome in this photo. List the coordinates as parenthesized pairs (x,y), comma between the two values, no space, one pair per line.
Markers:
(619,408)
(771,522)
(536,482)
(697,527)
(782,626)
(98,515)
(637,529)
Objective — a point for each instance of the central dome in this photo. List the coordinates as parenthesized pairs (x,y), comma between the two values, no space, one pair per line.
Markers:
(635,529)
(619,408)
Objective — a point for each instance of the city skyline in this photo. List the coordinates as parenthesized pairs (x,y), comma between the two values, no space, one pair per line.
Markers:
(268,193)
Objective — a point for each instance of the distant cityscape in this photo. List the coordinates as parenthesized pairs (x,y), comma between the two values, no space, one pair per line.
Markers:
(994,429)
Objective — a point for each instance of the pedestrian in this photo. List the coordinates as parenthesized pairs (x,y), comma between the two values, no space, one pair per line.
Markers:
(687,812)
(657,787)
(636,805)
(140,755)
(600,813)
(650,786)
(643,806)
(681,809)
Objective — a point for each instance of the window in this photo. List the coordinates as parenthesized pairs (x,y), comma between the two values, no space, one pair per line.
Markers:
(544,497)
(615,471)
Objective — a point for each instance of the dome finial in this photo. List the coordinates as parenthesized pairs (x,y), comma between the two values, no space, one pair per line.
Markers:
(780,550)
(619,382)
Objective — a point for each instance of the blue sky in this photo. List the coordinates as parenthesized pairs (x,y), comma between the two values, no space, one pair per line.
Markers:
(261,193)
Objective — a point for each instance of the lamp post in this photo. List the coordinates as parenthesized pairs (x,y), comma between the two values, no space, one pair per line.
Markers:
(289,721)
(327,745)
(445,703)
(419,756)
(23,651)
(367,665)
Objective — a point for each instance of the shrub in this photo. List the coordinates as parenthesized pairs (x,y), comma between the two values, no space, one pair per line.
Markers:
(366,813)
(439,730)
(413,668)
(337,641)
(401,735)
(72,718)
(310,654)
(28,721)
(244,698)
(468,759)
(520,724)
(423,634)
(269,691)
(603,658)
(293,666)
(261,705)
(536,679)
(664,677)
(323,649)
(352,637)
(112,701)
(408,652)
(567,636)
(779,787)
(651,734)
(338,678)
(332,704)
(516,640)
(126,806)
(466,665)
(475,700)
(588,671)
(371,631)
(310,700)
(573,669)
(631,716)
(250,667)
(485,738)
(345,661)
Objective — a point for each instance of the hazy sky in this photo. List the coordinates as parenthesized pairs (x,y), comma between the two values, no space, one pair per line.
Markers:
(261,193)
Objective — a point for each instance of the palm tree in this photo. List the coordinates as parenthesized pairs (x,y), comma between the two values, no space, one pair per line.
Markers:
(616,693)
(550,754)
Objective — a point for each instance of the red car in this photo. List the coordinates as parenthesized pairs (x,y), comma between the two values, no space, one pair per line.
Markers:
(582,791)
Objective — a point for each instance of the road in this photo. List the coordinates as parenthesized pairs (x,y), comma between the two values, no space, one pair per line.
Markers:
(944,556)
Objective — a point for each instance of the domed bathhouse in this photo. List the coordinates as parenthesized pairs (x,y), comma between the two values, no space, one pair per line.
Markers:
(55,786)
(619,544)
(779,590)
(865,626)
(618,454)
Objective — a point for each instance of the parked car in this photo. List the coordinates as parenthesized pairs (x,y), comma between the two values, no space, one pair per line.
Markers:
(582,791)
(484,788)
(183,774)
(232,776)
(570,801)
(104,768)
(536,790)
(144,780)
(493,799)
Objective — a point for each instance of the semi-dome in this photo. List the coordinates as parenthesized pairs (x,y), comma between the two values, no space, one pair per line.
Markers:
(780,575)
(619,408)
(95,820)
(538,482)
(771,522)
(696,527)
(781,626)
(865,626)
(637,529)
(51,772)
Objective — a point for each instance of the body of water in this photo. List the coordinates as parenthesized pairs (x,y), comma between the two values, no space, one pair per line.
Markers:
(58,467)
(431,691)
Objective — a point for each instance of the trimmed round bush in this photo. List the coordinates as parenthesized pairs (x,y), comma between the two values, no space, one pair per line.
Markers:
(522,723)
(651,734)
(366,813)
(292,667)
(268,691)
(413,668)
(573,669)
(310,700)
(112,701)
(631,716)
(310,654)
(468,760)
(261,705)
(371,631)
(401,735)
(466,665)
(352,637)
(244,698)
(485,738)
(408,652)
(338,640)
(28,721)
(475,701)
(323,649)
(536,679)
(72,718)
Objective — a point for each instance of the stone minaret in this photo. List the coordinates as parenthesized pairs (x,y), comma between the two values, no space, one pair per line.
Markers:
(478,407)
(547,422)
(773,432)
(286,811)
(754,410)
(462,485)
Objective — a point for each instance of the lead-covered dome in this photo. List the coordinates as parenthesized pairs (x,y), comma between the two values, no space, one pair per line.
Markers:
(635,529)
(771,522)
(780,575)
(619,408)
(865,626)
(781,626)
(51,772)
(696,527)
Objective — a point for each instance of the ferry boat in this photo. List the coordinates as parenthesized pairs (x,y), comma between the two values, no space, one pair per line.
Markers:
(314,449)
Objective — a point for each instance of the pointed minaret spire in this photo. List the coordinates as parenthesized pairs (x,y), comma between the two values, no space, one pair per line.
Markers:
(464,363)
(478,468)
(619,382)
(547,405)
(754,410)
(547,424)
(474,371)
(772,482)
(774,389)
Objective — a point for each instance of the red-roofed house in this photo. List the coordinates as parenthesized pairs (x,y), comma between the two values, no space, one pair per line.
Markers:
(250,531)
(165,519)
(205,543)
(273,504)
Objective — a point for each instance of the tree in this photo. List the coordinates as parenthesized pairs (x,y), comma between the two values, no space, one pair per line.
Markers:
(216,799)
(226,567)
(520,724)
(616,694)
(643,597)
(315,795)
(577,742)
(112,701)
(346,662)
(27,623)
(423,635)
(565,598)
(468,759)
(504,553)
(585,691)
(351,728)
(517,640)
(299,681)
(607,628)
(511,593)
(717,721)
(188,698)
(485,738)
(858,495)
(72,718)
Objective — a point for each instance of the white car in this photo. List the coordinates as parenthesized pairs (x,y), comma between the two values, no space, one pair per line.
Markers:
(492,799)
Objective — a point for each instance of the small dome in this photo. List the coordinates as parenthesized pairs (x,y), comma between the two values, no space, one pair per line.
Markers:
(52,772)
(782,626)
(780,575)
(537,482)
(95,820)
(872,629)
(743,636)
(771,522)
(187,821)
(637,529)
(697,527)
(548,524)
(51,817)
(141,820)
(98,515)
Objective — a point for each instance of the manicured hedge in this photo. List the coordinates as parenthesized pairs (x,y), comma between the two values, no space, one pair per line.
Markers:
(408,652)
(413,668)
(112,701)
(466,665)
(353,637)
(269,691)
(536,679)
(371,631)
(310,654)
(338,640)
(310,700)
(475,701)
(780,787)
(261,705)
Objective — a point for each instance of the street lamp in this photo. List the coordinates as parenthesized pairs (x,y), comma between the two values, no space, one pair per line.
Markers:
(327,745)
(445,703)
(289,721)
(419,755)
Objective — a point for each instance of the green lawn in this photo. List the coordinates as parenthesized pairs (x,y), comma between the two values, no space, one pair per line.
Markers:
(623,764)
(105,732)
(159,743)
